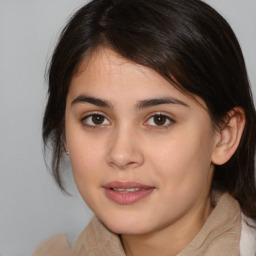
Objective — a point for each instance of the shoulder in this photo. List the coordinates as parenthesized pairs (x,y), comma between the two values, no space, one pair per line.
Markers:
(248,237)
(54,246)
(58,244)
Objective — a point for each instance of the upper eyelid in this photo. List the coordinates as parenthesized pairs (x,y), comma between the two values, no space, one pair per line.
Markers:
(165,126)
(90,114)
(169,116)
(84,120)
(86,115)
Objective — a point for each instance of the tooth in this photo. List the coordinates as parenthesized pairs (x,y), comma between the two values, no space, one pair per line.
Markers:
(132,189)
(119,189)
(126,190)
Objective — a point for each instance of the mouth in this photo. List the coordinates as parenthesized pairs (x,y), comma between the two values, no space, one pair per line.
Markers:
(126,190)
(126,193)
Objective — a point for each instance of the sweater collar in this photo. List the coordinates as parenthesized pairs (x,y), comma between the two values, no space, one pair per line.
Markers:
(220,235)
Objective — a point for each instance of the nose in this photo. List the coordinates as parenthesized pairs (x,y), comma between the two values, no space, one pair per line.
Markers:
(124,149)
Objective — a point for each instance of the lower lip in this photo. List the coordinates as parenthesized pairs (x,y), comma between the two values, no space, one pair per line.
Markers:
(127,198)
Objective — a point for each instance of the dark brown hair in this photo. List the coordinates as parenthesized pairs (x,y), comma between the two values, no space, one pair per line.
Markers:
(182,39)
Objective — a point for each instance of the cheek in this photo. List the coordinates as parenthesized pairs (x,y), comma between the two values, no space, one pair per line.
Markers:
(86,166)
(184,159)
(85,158)
(86,155)
(184,173)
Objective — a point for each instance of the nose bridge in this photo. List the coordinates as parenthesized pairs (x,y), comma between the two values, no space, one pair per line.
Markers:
(124,150)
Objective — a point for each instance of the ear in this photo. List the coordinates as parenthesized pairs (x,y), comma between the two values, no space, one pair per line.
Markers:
(229,136)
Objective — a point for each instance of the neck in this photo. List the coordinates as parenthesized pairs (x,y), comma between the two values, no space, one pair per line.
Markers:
(171,239)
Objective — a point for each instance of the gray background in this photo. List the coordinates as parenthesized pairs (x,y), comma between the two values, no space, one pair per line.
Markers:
(31,206)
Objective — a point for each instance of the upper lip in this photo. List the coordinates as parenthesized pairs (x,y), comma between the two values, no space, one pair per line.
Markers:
(129,184)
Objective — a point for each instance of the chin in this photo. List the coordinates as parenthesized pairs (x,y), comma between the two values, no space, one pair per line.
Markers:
(127,230)
(126,226)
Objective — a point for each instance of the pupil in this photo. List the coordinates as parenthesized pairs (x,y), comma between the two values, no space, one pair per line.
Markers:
(97,119)
(159,120)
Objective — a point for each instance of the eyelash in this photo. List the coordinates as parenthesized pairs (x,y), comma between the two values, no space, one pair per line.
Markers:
(167,119)
(90,117)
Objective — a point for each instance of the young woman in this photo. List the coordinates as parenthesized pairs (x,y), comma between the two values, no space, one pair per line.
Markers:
(151,101)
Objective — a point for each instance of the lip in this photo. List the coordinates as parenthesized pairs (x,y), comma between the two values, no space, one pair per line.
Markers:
(126,198)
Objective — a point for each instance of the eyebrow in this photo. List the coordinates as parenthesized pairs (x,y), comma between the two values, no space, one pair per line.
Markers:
(92,100)
(140,105)
(159,101)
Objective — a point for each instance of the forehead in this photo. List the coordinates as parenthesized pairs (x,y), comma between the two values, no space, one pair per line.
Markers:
(105,63)
(108,74)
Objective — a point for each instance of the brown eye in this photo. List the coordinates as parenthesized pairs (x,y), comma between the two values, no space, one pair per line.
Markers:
(159,120)
(95,120)
(98,119)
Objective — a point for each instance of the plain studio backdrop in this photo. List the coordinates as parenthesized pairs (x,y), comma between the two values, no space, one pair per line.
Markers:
(31,207)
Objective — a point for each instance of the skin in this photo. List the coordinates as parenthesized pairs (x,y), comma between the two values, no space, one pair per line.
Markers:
(174,157)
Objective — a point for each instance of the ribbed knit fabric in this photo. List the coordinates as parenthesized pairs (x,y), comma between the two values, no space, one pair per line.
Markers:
(220,235)
(97,240)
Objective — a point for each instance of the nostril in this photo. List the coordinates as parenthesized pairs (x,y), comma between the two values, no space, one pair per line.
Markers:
(122,165)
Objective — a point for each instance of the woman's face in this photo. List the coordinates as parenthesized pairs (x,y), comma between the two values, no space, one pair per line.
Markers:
(140,149)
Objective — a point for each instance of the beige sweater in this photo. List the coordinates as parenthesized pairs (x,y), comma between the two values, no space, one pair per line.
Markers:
(220,235)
